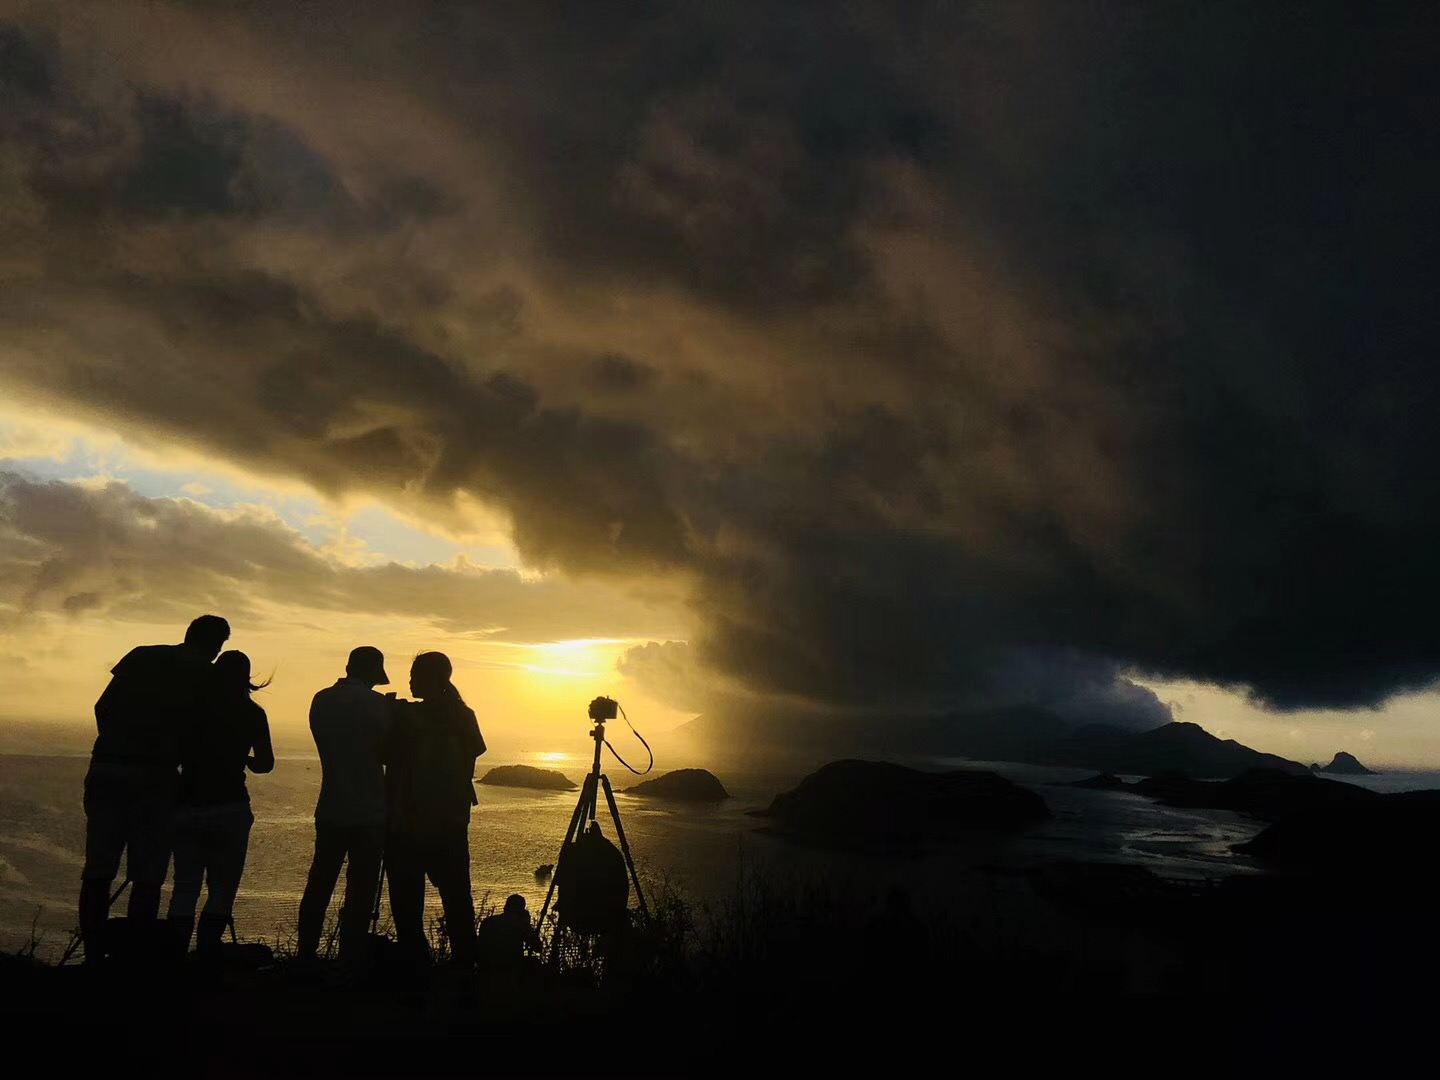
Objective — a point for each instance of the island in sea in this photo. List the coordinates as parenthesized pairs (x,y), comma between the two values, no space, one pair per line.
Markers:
(879,805)
(1343,764)
(688,785)
(528,776)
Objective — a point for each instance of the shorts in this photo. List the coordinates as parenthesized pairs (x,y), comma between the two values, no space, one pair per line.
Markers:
(129,809)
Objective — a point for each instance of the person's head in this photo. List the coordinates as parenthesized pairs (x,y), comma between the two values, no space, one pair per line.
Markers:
(232,671)
(207,634)
(367,665)
(515,907)
(430,676)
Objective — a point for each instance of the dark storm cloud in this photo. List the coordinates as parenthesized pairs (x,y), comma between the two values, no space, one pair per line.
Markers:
(25,64)
(942,352)
(615,374)
(135,153)
(251,370)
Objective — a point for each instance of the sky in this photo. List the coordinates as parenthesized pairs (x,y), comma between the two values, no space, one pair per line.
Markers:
(725,357)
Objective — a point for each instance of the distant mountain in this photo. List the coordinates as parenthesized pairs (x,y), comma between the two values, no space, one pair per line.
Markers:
(1031,736)
(1343,764)
(1012,734)
(1176,747)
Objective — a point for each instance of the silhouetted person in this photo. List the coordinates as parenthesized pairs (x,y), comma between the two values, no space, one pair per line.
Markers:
(503,939)
(349,721)
(432,764)
(212,826)
(130,788)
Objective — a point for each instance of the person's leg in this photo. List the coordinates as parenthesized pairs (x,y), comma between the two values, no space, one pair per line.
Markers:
(105,831)
(362,886)
(189,875)
(320,885)
(405,875)
(147,856)
(229,844)
(449,867)
(94,912)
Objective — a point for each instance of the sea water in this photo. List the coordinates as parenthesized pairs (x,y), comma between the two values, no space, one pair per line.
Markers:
(701,851)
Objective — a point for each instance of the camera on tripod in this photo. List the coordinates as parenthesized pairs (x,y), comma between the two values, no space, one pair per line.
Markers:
(590,873)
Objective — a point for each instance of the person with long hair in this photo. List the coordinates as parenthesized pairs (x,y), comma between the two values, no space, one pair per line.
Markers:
(431,768)
(156,692)
(212,828)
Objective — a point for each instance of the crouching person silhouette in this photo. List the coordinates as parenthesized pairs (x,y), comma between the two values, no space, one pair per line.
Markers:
(431,756)
(154,693)
(350,722)
(507,944)
(212,825)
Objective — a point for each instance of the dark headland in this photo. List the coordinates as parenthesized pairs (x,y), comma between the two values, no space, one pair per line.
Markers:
(884,806)
(1268,794)
(527,776)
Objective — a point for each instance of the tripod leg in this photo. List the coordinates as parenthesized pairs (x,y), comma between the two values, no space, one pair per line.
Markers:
(624,845)
(379,891)
(586,802)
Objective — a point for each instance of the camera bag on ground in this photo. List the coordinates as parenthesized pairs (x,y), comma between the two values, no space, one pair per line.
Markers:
(593,884)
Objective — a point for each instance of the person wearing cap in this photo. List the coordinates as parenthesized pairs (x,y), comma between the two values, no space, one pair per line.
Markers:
(349,721)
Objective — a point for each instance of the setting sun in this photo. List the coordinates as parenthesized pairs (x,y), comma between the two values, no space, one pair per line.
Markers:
(581,658)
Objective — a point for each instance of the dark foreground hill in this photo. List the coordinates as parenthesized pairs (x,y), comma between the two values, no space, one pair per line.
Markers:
(880,805)
(1390,837)
(1043,964)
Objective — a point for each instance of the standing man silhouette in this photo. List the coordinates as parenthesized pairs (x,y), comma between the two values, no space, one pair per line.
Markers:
(349,721)
(155,691)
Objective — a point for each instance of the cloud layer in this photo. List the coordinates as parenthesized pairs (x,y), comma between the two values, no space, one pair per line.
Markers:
(81,550)
(936,353)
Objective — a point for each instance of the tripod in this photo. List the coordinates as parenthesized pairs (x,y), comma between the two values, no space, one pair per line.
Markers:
(585,811)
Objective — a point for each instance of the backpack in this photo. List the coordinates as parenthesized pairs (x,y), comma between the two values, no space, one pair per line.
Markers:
(593,884)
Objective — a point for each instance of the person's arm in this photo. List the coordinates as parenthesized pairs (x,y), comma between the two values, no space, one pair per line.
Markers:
(389,718)
(112,698)
(477,741)
(469,745)
(314,708)
(109,698)
(263,758)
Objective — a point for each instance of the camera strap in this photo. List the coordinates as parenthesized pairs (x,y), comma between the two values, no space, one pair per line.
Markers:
(643,743)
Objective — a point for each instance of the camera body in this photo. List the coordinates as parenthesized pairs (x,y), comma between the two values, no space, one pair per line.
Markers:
(602,709)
